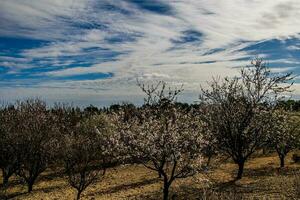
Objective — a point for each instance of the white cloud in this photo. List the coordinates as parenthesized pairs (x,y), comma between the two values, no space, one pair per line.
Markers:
(293,47)
(228,25)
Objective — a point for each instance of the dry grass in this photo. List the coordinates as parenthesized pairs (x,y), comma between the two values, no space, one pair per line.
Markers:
(262,180)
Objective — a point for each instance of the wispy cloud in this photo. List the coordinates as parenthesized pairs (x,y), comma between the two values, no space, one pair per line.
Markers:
(180,41)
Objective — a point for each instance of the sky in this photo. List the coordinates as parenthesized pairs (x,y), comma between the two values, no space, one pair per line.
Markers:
(93,51)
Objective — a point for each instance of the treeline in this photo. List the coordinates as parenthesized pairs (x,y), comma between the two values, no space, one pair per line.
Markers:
(290,105)
(235,117)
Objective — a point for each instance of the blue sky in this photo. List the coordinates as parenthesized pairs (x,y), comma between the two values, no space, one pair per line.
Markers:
(92,52)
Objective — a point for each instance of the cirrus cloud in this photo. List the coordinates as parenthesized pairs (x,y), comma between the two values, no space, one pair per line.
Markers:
(179,41)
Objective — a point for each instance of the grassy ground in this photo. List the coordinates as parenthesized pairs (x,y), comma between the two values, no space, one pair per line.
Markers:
(262,180)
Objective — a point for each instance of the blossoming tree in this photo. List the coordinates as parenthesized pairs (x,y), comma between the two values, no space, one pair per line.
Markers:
(88,151)
(238,111)
(285,133)
(164,138)
(36,134)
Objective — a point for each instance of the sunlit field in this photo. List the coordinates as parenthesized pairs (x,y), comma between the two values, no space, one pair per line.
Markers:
(262,180)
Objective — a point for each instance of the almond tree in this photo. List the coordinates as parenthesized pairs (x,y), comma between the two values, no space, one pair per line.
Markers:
(163,138)
(238,111)
(67,117)
(210,148)
(80,154)
(36,136)
(9,159)
(285,133)
(88,151)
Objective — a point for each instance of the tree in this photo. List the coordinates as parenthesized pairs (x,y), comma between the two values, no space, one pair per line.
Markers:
(80,153)
(163,138)
(88,151)
(66,117)
(238,111)
(285,133)
(9,159)
(36,135)
(289,105)
(210,147)
(91,110)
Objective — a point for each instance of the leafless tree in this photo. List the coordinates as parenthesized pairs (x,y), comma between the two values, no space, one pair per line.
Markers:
(238,111)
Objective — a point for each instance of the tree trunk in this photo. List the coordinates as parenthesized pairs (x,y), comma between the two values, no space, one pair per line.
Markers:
(159,175)
(208,161)
(78,195)
(264,150)
(282,157)
(241,170)
(30,185)
(5,180)
(5,177)
(166,190)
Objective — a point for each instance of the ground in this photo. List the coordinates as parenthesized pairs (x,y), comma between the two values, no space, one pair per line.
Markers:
(262,180)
